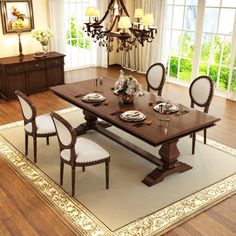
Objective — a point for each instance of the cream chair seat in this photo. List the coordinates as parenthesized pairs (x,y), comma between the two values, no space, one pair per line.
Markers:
(77,151)
(35,126)
(44,125)
(86,151)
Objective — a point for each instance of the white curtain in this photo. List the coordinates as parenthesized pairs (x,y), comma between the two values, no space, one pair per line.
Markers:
(102,54)
(56,23)
(140,58)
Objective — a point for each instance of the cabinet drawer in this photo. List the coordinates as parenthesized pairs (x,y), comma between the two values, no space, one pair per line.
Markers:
(14,68)
(36,65)
(55,62)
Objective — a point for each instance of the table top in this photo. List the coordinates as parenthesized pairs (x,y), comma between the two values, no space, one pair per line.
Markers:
(157,133)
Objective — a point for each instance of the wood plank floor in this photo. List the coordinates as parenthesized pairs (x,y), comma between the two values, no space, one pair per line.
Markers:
(24,213)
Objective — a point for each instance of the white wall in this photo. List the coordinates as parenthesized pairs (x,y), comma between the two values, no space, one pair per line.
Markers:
(9,41)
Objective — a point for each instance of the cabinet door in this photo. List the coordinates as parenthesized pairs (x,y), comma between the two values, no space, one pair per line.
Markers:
(37,81)
(36,78)
(55,71)
(14,78)
(14,82)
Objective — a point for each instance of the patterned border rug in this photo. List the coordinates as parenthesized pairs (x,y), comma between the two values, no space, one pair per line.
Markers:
(85,223)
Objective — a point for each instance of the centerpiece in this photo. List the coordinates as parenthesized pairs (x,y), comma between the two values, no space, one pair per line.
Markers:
(43,36)
(127,87)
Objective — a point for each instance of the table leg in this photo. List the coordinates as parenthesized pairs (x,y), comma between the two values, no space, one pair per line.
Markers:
(89,124)
(169,153)
(91,121)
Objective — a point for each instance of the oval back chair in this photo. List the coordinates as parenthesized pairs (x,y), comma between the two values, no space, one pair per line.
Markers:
(35,126)
(201,92)
(155,77)
(77,151)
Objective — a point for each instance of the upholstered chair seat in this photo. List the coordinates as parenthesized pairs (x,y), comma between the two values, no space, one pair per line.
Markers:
(155,77)
(77,151)
(86,151)
(35,126)
(44,125)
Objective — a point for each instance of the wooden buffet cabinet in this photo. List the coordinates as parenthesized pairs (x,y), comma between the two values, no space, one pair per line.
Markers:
(30,75)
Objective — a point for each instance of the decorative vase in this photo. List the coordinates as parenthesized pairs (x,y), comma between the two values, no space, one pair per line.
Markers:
(127,99)
(21,55)
(45,49)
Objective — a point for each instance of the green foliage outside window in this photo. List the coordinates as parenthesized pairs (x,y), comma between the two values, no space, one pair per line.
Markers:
(185,67)
(76,37)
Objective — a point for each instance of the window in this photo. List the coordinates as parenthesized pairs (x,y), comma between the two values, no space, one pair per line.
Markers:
(180,35)
(217,43)
(215,54)
(80,49)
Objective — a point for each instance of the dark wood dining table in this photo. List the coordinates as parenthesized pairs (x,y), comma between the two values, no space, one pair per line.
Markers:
(164,130)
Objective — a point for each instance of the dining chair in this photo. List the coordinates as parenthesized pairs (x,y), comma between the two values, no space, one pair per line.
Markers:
(201,92)
(35,126)
(77,151)
(155,77)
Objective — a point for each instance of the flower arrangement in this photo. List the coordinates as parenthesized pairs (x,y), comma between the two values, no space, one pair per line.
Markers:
(42,35)
(127,85)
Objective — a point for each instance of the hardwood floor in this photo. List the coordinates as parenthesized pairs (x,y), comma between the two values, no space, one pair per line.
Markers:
(24,213)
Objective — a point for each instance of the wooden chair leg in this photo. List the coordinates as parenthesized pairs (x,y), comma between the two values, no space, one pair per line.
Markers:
(35,148)
(26,143)
(61,172)
(205,136)
(83,168)
(47,138)
(73,180)
(107,173)
(193,142)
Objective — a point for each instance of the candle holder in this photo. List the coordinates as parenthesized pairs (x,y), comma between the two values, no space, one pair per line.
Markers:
(21,55)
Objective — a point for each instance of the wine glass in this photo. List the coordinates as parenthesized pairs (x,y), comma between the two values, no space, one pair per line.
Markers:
(161,110)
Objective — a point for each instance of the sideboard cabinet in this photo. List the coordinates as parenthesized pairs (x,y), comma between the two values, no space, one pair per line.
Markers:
(30,75)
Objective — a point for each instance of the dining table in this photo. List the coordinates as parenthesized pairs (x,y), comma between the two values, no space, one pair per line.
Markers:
(164,130)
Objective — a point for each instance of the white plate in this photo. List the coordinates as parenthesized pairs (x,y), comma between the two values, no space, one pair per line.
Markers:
(132,115)
(93,97)
(172,107)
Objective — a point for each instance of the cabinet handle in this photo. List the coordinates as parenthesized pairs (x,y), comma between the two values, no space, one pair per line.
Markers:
(37,65)
(56,61)
(16,69)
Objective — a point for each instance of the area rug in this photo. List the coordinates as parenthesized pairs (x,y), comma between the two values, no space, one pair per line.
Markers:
(129,207)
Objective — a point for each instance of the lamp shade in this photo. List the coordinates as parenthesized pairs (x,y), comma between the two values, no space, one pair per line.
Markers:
(97,13)
(124,22)
(90,11)
(148,19)
(138,13)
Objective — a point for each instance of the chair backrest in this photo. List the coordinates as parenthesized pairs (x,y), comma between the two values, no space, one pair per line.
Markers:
(27,108)
(155,77)
(201,92)
(65,133)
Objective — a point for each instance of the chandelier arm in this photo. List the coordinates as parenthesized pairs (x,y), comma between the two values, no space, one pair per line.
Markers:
(106,13)
(123,7)
(114,22)
(102,34)
(136,36)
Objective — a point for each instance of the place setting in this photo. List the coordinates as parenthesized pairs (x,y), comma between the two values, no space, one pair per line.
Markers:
(95,98)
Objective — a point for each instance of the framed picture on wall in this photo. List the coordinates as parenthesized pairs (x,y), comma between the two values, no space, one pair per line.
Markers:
(17,14)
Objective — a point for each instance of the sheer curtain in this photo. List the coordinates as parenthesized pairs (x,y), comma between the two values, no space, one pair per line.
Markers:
(140,58)
(102,54)
(56,23)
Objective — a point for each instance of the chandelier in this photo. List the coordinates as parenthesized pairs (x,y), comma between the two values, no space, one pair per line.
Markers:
(116,23)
